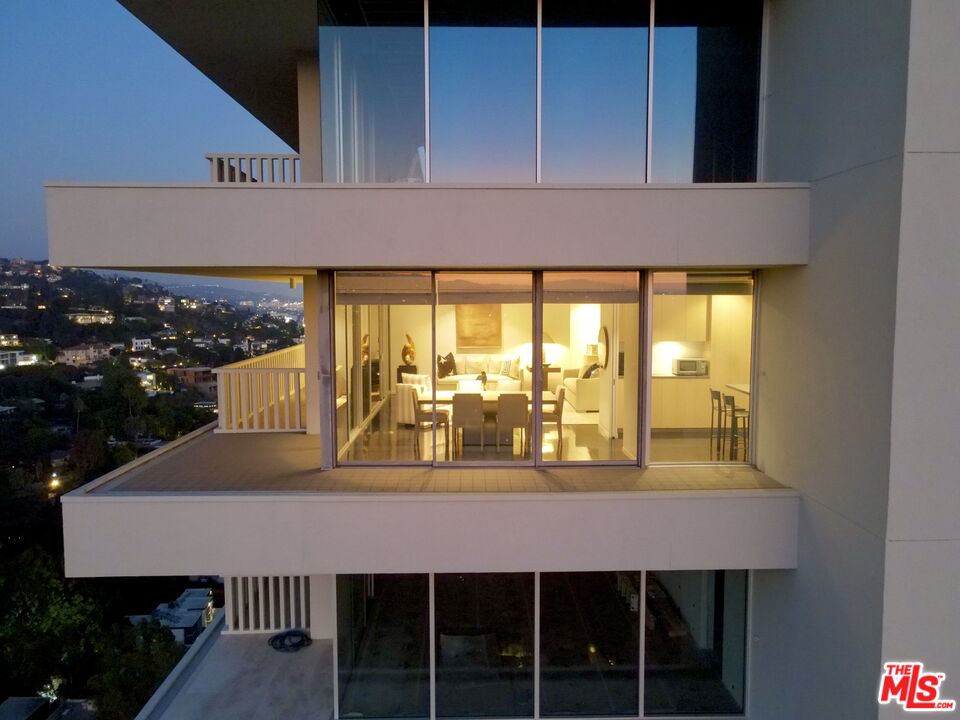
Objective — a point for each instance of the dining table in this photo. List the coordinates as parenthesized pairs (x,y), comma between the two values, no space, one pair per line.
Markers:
(490,397)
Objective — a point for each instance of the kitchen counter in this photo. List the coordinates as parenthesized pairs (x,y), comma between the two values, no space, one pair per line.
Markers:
(683,377)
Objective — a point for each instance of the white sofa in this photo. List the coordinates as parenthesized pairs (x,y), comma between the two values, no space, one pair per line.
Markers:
(470,366)
(582,393)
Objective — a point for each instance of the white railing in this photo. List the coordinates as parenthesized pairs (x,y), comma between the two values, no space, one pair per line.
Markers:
(263,394)
(263,604)
(244,168)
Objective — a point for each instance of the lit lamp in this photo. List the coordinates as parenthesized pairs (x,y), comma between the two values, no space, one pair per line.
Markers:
(550,353)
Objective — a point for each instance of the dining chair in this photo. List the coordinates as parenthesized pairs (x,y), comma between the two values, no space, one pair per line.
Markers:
(738,419)
(425,415)
(512,413)
(556,416)
(467,414)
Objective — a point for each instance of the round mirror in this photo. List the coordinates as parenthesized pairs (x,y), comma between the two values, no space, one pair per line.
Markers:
(603,343)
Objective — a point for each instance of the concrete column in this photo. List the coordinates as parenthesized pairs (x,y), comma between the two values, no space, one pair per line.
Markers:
(323,621)
(318,360)
(308,107)
(311,332)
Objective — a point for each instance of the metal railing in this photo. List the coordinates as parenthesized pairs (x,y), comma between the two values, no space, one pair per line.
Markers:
(246,168)
(263,394)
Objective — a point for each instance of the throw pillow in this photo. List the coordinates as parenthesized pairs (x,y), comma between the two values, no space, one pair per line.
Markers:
(446,365)
(505,367)
(514,368)
(474,364)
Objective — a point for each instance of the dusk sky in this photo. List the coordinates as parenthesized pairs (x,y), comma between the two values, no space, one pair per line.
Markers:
(87,92)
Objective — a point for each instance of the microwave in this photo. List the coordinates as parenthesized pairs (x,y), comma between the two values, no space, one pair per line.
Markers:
(690,366)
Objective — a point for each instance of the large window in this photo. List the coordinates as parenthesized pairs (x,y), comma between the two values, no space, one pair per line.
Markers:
(594,91)
(706,81)
(702,326)
(372,92)
(461,91)
(483,88)
(607,644)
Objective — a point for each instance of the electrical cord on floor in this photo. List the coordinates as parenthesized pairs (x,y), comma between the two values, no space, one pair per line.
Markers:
(290,641)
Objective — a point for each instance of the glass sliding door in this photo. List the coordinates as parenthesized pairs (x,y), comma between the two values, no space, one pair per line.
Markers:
(591,373)
(372,92)
(484,644)
(701,361)
(484,334)
(483,87)
(695,649)
(706,83)
(383,371)
(594,91)
(589,640)
(383,646)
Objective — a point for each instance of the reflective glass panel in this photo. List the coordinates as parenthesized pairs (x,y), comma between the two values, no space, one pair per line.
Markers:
(695,642)
(484,635)
(589,644)
(383,369)
(594,91)
(701,364)
(706,80)
(383,646)
(591,354)
(372,92)
(484,335)
(483,73)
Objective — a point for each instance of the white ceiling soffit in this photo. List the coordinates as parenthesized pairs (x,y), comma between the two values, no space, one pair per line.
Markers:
(249,48)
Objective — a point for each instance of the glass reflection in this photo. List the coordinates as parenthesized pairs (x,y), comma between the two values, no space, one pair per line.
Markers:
(372,93)
(484,651)
(705,91)
(589,644)
(483,64)
(695,642)
(594,91)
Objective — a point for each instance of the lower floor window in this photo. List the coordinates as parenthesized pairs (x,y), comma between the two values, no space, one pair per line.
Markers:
(595,656)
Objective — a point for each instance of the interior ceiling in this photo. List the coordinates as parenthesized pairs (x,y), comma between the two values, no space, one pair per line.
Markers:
(249,48)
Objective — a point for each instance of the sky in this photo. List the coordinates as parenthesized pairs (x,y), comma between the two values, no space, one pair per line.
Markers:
(87,92)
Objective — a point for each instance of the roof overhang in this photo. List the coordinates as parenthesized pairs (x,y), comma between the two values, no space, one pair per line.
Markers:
(249,48)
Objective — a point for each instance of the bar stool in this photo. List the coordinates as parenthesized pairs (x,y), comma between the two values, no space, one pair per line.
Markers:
(739,425)
(716,421)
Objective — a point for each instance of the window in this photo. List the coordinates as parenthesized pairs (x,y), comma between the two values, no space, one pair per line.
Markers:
(589,636)
(702,326)
(706,82)
(484,645)
(372,92)
(483,85)
(695,642)
(591,354)
(383,646)
(593,652)
(594,91)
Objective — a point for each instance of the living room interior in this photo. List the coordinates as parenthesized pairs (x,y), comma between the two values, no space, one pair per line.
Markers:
(440,367)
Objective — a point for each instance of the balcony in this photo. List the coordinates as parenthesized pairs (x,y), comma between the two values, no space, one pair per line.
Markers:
(255,216)
(263,394)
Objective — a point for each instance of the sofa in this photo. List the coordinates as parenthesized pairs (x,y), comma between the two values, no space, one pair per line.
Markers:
(470,366)
(583,394)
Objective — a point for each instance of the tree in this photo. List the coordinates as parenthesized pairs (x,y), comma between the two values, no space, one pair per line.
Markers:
(135,662)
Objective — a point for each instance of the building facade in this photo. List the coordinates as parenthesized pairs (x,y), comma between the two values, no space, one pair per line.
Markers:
(624,386)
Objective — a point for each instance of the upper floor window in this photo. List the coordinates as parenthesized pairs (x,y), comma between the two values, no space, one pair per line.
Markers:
(471,91)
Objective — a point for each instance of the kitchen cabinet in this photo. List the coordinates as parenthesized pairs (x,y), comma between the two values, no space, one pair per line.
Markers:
(681,318)
(680,402)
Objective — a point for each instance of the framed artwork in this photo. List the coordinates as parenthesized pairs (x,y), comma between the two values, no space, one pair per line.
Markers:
(478,327)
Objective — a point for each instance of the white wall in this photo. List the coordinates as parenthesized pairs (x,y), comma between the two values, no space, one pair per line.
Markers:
(210,226)
(921,604)
(322,533)
(834,116)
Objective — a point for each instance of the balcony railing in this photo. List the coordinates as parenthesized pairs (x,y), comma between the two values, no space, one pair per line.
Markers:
(263,394)
(237,168)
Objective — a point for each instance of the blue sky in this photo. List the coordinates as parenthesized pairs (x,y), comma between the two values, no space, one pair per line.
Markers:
(87,92)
